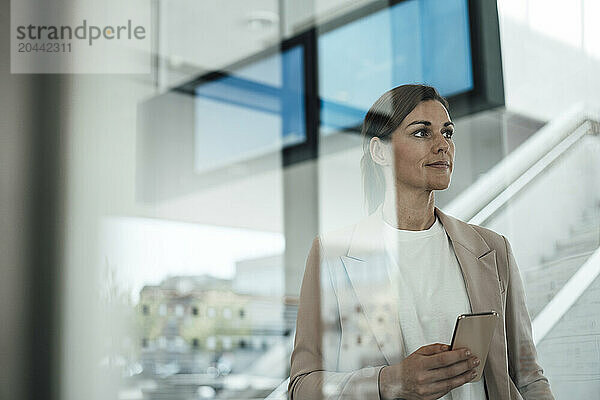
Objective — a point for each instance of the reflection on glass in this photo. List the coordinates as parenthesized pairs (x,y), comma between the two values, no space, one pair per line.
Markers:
(256,109)
(204,309)
(413,41)
(555,221)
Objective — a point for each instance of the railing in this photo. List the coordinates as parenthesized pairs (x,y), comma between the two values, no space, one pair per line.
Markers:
(491,193)
(529,175)
(280,392)
(566,297)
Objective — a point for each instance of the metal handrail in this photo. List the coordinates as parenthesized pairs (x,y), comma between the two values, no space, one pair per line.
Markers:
(566,297)
(486,197)
(528,176)
(489,193)
(280,393)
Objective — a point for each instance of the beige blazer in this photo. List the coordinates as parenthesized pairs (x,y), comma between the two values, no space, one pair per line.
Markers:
(348,329)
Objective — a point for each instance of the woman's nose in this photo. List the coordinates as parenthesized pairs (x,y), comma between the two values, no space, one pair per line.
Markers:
(441,143)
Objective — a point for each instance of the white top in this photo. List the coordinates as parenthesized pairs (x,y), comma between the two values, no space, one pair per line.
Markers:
(431,291)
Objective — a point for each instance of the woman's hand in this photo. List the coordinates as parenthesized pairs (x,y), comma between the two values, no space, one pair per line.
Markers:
(428,373)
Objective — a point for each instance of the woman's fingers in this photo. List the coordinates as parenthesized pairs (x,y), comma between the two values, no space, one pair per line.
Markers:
(446,358)
(448,384)
(453,370)
(428,373)
(432,349)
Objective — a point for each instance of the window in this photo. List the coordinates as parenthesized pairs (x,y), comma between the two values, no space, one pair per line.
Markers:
(162,310)
(260,107)
(387,52)
(211,342)
(179,310)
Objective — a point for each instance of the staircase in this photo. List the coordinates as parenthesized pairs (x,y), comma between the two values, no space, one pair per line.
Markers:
(570,352)
(545,281)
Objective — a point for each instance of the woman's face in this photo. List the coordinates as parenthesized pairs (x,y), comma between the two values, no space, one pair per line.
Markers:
(423,138)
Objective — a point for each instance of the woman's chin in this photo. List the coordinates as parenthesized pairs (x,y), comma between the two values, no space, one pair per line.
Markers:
(440,185)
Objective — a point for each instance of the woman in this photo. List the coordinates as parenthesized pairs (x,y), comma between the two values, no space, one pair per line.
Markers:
(379,299)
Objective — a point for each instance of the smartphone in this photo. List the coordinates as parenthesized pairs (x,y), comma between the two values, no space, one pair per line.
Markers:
(475,331)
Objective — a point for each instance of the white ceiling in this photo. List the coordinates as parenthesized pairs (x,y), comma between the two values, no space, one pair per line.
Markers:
(199,36)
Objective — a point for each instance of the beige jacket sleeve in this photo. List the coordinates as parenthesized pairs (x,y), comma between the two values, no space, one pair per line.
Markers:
(526,374)
(314,371)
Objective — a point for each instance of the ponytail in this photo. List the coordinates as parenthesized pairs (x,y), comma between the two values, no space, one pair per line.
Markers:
(372,180)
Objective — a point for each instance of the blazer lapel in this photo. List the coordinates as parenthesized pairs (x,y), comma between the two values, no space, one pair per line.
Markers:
(478,265)
(366,266)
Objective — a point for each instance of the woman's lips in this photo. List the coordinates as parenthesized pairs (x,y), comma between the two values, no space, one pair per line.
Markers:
(438,166)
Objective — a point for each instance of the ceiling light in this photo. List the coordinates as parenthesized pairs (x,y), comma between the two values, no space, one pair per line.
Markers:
(261,20)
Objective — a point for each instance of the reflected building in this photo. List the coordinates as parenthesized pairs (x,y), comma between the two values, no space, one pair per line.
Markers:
(201,324)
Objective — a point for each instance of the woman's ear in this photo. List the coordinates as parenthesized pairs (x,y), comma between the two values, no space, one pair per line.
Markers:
(380,151)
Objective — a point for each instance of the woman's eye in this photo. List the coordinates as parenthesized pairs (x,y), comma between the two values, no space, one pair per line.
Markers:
(424,133)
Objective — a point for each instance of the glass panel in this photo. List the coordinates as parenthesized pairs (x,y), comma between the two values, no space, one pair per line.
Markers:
(254,110)
(359,61)
(203,303)
(554,228)
(187,237)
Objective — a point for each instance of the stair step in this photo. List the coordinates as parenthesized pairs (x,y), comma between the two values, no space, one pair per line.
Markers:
(580,318)
(579,312)
(593,211)
(584,239)
(559,263)
(551,279)
(584,232)
(592,221)
(571,357)
(576,230)
(543,283)
(573,250)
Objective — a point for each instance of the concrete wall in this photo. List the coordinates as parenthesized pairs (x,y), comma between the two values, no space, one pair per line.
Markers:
(544,74)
